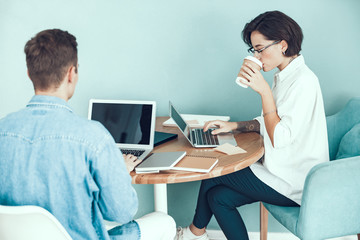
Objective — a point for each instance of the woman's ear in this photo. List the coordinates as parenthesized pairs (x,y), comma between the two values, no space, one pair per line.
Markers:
(284,46)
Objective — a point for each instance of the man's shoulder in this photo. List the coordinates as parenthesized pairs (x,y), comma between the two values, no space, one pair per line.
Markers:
(84,131)
(68,125)
(88,127)
(12,118)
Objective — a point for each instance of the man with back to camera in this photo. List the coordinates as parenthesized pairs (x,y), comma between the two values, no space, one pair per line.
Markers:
(69,165)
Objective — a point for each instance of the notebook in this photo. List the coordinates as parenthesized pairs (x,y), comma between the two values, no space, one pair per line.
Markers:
(162,137)
(160,161)
(131,123)
(196,164)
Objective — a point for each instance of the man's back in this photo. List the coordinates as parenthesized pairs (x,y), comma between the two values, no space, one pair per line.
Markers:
(51,158)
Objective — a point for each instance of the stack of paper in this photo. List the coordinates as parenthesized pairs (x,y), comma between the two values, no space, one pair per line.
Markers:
(229,149)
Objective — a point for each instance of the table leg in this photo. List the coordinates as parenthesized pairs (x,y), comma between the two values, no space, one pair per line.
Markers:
(160,197)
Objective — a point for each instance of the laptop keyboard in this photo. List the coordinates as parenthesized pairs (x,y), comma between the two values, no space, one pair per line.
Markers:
(134,152)
(204,138)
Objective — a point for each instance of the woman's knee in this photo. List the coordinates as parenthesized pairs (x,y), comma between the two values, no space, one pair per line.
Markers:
(216,198)
(223,197)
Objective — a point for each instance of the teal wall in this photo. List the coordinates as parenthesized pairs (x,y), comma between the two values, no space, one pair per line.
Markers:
(181,51)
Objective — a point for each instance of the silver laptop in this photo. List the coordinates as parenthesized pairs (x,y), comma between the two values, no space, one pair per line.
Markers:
(196,136)
(131,123)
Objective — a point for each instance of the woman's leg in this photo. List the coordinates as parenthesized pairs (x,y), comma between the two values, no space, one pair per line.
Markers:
(203,211)
(223,202)
(246,184)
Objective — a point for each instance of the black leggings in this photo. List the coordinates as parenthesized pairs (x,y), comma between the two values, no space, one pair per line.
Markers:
(222,195)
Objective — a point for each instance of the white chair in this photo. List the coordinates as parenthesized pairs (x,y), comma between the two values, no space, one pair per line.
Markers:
(30,223)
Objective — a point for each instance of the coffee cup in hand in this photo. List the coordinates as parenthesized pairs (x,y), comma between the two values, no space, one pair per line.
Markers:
(255,63)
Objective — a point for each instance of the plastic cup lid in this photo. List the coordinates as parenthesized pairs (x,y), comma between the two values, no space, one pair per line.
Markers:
(255,60)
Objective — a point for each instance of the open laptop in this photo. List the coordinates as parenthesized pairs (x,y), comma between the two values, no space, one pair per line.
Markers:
(196,136)
(131,123)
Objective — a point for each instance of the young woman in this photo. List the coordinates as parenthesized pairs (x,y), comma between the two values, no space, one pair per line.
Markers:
(292,124)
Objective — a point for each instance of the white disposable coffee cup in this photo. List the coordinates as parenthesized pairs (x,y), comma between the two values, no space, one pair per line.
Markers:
(256,63)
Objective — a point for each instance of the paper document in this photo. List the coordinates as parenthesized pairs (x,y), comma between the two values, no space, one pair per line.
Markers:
(229,149)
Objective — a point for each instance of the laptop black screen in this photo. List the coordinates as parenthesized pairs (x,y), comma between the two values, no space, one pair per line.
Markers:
(127,123)
(177,118)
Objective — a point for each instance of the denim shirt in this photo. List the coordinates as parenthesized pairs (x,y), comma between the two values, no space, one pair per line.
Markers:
(69,165)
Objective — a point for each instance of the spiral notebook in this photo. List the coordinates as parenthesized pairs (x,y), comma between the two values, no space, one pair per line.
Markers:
(196,163)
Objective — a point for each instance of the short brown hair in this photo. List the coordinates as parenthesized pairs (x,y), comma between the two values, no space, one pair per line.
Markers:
(275,25)
(48,56)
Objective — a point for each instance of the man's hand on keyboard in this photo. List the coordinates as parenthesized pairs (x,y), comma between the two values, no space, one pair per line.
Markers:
(131,162)
(223,127)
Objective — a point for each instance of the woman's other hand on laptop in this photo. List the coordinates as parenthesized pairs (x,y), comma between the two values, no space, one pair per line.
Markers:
(131,162)
(223,127)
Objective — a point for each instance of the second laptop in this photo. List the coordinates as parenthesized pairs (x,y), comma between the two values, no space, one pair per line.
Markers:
(196,136)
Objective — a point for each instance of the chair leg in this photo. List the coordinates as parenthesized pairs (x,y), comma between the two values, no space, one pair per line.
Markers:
(264,222)
(358,236)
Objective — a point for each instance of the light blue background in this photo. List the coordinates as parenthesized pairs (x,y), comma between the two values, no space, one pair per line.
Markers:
(185,51)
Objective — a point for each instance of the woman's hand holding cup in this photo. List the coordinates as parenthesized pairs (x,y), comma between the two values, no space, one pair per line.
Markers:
(251,63)
(250,75)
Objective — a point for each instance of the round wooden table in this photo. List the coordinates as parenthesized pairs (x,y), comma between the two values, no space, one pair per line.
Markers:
(251,142)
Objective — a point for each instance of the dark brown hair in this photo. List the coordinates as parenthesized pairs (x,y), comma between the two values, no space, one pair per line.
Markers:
(48,56)
(275,25)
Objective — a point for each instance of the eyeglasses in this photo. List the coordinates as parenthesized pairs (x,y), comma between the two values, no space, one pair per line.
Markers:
(253,51)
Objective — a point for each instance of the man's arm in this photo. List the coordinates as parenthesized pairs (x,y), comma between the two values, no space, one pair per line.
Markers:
(248,126)
(117,198)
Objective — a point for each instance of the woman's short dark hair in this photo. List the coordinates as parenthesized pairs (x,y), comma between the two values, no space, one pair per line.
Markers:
(275,25)
(48,56)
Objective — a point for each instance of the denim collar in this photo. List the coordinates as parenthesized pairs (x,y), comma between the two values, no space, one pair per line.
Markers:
(48,101)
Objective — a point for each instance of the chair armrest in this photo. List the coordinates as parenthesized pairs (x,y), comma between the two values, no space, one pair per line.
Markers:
(331,199)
